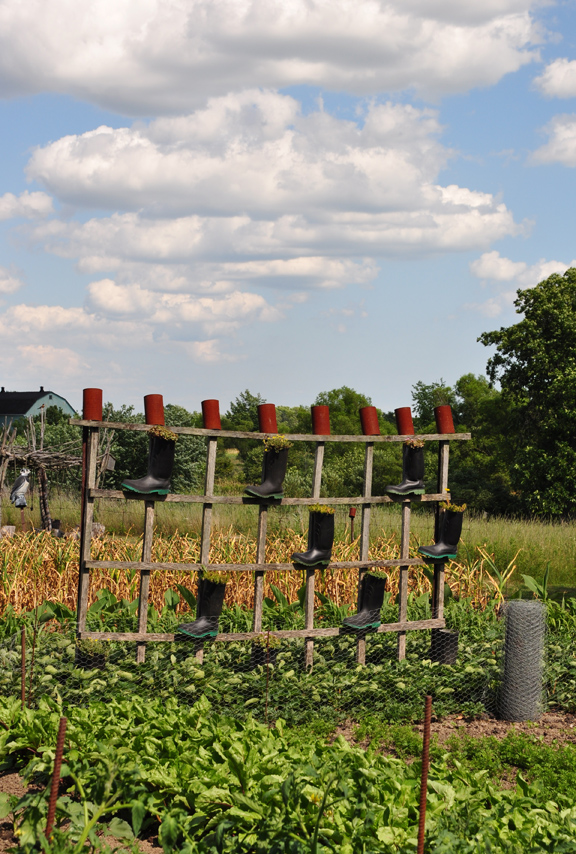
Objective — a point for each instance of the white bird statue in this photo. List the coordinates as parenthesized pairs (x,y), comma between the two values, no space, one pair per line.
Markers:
(20,488)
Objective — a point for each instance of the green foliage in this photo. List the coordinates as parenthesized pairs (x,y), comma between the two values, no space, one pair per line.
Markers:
(212,785)
(535,362)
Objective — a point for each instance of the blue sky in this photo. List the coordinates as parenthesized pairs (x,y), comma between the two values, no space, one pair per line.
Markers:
(205,197)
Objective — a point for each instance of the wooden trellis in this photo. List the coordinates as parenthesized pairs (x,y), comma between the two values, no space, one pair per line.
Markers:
(209,499)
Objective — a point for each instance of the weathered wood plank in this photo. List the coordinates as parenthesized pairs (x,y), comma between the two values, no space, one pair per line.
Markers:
(245,567)
(212,447)
(403,584)
(310,574)
(243,499)
(294,437)
(365,538)
(144,591)
(259,575)
(86,529)
(287,634)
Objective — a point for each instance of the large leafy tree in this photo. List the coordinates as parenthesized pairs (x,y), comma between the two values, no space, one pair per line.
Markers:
(535,363)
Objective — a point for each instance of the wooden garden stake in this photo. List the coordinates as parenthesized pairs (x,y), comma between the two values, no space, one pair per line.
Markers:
(144,592)
(206,526)
(365,541)
(424,779)
(23,669)
(56,777)
(403,583)
(309,595)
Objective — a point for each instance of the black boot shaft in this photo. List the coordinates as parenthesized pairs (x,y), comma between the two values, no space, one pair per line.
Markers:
(274,465)
(210,603)
(320,540)
(371,601)
(450,531)
(412,473)
(160,464)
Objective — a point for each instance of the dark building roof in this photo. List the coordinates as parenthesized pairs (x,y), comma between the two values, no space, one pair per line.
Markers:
(15,403)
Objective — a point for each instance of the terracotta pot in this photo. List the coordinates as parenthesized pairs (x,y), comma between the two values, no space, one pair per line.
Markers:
(369,421)
(211,415)
(92,404)
(321,420)
(444,422)
(267,418)
(154,409)
(404,423)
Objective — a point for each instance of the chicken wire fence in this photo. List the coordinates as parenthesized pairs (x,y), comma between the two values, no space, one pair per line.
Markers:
(466,670)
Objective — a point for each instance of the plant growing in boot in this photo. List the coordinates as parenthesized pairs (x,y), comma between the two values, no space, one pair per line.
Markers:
(371,601)
(320,537)
(264,650)
(451,528)
(412,469)
(273,468)
(161,449)
(211,591)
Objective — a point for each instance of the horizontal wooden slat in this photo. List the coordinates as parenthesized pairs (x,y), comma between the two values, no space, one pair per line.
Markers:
(118,494)
(247,636)
(294,437)
(245,567)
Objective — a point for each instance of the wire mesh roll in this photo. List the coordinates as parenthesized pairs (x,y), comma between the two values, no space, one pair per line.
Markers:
(521,697)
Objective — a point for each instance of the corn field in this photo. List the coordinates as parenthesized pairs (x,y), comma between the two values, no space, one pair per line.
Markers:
(37,567)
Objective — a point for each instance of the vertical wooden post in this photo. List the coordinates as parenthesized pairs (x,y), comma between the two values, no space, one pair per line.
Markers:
(365,540)
(309,595)
(440,566)
(403,584)
(90,453)
(206,526)
(258,575)
(144,592)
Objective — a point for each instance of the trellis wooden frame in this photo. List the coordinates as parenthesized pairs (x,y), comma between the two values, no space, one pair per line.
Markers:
(209,499)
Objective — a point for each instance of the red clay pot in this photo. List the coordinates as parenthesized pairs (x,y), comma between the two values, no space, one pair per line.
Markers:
(267,418)
(321,420)
(92,404)
(443,416)
(369,421)
(154,409)
(211,415)
(404,423)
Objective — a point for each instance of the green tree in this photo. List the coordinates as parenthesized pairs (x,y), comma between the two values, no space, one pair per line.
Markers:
(535,363)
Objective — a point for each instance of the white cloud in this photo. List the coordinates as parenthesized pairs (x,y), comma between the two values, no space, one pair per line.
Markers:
(561,145)
(162,56)
(491,266)
(249,189)
(558,80)
(28,205)
(9,281)
(108,299)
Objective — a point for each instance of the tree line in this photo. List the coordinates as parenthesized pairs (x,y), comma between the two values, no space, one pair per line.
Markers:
(521,459)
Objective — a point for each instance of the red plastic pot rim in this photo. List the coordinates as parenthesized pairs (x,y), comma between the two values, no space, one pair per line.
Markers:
(267,418)
(92,404)
(444,420)
(211,414)
(369,421)
(404,423)
(154,409)
(321,420)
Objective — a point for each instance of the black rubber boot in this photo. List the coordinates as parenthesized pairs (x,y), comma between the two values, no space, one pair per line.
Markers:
(320,540)
(160,464)
(412,473)
(371,600)
(447,546)
(210,603)
(273,473)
